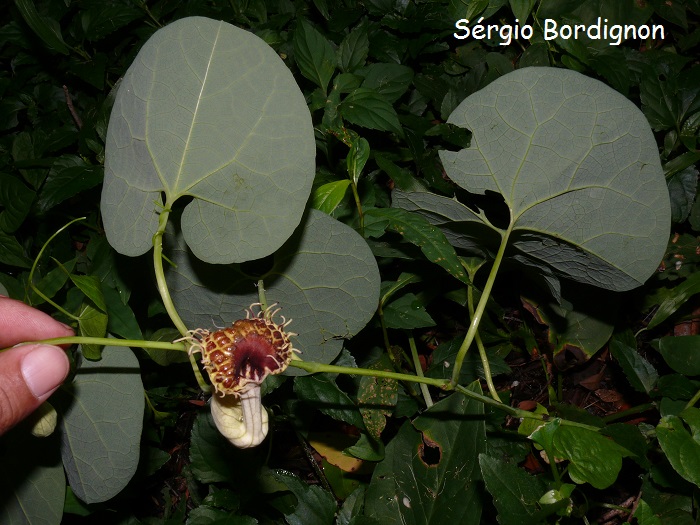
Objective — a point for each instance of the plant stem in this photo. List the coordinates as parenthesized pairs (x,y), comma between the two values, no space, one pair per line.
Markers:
(359,207)
(165,293)
(419,369)
(629,412)
(107,341)
(482,351)
(443,384)
(693,400)
(481,307)
(160,273)
(36,261)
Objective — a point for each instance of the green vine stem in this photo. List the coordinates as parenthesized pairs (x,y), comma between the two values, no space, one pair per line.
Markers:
(419,369)
(160,273)
(443,384)
(481,307)
(482,351)
(107,341)
(36,262)
(693,400)
(312,367)
(165,293)
(358,203)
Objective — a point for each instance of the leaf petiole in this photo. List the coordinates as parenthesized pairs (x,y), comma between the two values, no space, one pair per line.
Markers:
(480,308)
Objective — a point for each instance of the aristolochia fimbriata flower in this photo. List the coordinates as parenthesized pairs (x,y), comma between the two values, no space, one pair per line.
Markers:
(238,358)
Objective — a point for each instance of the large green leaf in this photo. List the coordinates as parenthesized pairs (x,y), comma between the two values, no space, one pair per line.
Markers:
(578,169)
(324,278)
(208,111)
(101,428)
(431,470)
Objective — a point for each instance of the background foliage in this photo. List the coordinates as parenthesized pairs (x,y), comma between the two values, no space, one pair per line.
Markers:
(380,78)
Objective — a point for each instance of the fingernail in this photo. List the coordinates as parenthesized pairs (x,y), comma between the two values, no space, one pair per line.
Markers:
(44,369)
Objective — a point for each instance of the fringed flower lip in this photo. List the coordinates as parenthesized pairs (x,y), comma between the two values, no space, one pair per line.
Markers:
(238,358)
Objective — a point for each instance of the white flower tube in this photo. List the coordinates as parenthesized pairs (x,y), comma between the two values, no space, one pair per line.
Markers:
(241,419)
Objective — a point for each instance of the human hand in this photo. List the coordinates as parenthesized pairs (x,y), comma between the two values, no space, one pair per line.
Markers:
(29,374)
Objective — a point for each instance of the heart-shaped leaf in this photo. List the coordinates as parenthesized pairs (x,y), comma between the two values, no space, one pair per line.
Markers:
(578,169)
(208,111)
(324,278)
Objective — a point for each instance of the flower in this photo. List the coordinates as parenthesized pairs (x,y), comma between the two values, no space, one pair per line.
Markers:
(238,358)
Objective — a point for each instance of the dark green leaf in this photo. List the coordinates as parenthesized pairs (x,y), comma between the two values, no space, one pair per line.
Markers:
(52,282)
(417,230)
(357,158)
(103,19)
(515,493)
(521,9)
(445,355)
(403,178)
(45,28)
(17,199)
(407,313)
(90,286)
(682,188)
(166,357)
(536,54)
(640,373)
(68,176)
(11,252)
(677,298)
(122,320)
(389,288)
(368,108)
(682,353)
(321,392)
(315,506)
(677,387)
(353,50)
(314,54)
(681,448)
(366,448)
(389,80)
(431,470)
(211,456)
(645,515)
(579,327)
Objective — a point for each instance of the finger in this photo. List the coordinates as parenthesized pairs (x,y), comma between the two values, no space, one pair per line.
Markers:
(28,376)
(20,322)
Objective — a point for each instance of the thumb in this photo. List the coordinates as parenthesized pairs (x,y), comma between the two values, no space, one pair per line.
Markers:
(29,374)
